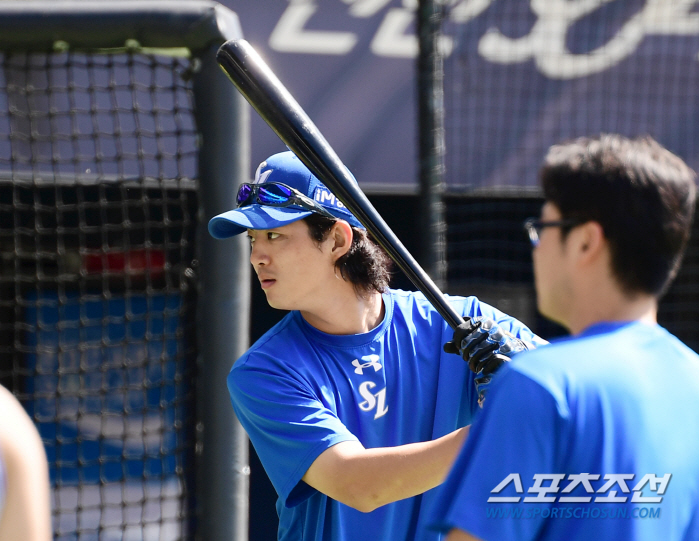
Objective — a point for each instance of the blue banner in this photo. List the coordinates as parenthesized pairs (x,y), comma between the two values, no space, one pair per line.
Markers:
(519,76)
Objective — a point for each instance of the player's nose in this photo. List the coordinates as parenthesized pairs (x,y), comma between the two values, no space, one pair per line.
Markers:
(258,255)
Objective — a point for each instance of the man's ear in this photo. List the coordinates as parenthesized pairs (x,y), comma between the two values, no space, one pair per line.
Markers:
(341,236)
(588,240)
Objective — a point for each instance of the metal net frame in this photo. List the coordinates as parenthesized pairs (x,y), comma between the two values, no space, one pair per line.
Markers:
(113,333)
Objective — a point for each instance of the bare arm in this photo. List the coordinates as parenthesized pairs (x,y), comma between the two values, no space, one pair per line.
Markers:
(27,511)
(460,535)
(369,478)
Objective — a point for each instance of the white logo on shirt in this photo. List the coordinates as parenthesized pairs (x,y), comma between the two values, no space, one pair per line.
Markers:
(372,400)
(371,360)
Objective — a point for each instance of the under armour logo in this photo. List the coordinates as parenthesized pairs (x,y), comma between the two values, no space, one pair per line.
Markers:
(371,360)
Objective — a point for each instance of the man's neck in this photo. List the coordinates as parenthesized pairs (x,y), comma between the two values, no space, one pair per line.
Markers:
(641,307)
(347,313)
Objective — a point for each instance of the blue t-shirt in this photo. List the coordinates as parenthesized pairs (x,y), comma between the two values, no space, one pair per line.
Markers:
(298,391)
(621,402)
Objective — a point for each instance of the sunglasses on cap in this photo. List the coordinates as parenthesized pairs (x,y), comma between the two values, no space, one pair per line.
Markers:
(276,194)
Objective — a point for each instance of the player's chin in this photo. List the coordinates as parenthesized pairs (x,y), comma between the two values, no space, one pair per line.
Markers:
(275,302)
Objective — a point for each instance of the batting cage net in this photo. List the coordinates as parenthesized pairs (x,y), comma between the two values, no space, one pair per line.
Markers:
(100,208)
(489,256)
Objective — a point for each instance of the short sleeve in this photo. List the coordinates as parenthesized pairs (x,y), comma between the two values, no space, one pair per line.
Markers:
(518,432)
(288,425)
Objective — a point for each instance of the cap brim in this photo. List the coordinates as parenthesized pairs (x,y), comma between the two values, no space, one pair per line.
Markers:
(237,221)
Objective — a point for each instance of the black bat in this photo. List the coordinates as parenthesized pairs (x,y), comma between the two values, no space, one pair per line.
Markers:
(256,81)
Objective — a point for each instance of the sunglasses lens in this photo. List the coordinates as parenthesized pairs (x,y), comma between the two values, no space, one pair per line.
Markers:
(534,236)
(244,193)
(274,194)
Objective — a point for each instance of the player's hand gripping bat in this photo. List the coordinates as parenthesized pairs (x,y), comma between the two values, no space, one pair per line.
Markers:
(279,109)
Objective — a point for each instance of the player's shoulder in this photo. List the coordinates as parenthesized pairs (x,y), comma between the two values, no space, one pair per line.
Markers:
(417,300)
(602,338)
(553,367)
(591,355)
(560,355)
(414,310)
(273,358)
(275,343)
(418,311)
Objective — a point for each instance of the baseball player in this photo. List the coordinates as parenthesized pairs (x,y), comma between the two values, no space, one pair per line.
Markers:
(595,436)
(353,407)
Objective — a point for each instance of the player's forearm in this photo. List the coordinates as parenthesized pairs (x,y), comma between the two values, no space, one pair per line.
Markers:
(384,475)
(369,478)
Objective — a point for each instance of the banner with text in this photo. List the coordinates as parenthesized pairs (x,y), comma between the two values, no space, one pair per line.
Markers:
(519,76)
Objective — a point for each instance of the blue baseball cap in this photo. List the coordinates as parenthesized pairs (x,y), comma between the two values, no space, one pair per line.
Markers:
(286,168)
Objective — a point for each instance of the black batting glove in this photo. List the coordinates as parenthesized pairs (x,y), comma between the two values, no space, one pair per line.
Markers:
(485,346)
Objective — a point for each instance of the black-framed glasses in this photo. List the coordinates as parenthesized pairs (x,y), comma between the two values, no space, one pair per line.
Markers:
(533,227)
(276,194)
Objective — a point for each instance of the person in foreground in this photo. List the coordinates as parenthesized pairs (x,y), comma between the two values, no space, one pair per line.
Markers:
(353,407)
(25,508)
(595,436)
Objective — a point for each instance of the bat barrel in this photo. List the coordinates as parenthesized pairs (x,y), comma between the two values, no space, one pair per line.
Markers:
(260,86)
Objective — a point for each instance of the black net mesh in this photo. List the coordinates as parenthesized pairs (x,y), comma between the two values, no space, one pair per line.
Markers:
(98,198)
(522,76)
(525,75)
(490,256)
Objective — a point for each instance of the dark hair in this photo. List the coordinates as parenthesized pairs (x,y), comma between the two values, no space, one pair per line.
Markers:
(641,194)
(365,264)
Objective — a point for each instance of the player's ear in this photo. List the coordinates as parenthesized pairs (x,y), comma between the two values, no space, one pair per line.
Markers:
(590,240)
(341,236)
